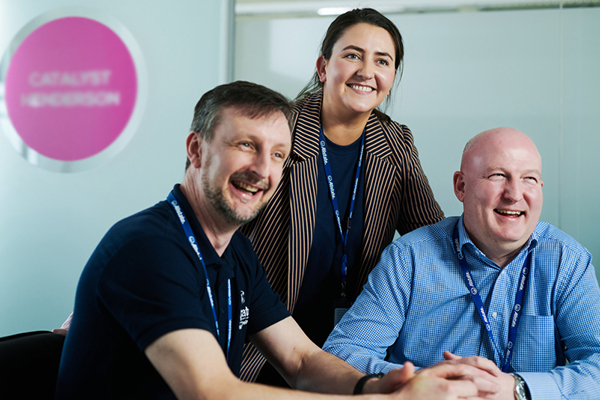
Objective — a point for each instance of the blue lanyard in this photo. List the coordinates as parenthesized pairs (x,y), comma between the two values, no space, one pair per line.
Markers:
(192,239)
(334,202)
(516,313)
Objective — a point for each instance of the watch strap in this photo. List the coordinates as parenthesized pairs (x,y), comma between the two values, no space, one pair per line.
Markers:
(361,382)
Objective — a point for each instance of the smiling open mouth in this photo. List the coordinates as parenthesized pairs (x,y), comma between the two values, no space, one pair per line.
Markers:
(244,187)
(362,88)
(509,212)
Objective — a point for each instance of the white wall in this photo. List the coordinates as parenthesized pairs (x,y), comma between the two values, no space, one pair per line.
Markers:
(51,222)
(535,70)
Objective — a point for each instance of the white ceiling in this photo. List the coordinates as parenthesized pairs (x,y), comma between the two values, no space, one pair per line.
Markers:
(332,7)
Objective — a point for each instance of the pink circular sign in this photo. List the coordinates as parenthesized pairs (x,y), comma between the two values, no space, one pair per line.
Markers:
(71,88)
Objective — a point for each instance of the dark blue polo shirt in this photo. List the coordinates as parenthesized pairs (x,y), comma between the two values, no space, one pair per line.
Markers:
(144,280)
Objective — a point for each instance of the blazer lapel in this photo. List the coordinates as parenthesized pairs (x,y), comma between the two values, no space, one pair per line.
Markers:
(379,186)
(303,194)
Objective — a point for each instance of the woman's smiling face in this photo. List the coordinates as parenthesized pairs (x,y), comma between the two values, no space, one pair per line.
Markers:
(360,72)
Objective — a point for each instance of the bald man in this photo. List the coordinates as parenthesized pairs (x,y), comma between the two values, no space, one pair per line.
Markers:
(494,283)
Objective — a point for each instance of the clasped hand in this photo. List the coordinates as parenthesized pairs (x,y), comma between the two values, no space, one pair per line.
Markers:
(473,378)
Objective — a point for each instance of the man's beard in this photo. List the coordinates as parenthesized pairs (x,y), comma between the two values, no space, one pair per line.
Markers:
(216,199)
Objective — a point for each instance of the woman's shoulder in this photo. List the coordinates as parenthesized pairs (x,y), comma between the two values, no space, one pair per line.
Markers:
(392,140)
(297,107)
(307,103)
(307,110)
(394,131)
(298,104)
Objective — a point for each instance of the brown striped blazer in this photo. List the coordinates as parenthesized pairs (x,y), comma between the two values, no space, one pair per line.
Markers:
(397,197)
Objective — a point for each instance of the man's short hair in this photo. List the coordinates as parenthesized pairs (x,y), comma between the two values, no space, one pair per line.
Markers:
(249,99)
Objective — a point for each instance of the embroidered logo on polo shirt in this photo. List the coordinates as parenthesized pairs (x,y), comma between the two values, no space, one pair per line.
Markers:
(244,316)
(244,312)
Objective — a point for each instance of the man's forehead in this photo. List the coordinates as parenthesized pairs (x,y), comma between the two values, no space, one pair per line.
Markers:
(501,155)
(272,125)
(254,112)
(512,168)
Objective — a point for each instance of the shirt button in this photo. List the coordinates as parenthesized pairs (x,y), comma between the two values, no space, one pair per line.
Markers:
(494,314)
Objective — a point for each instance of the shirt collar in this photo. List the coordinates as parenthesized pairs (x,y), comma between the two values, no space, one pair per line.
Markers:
(210,256)
(464,239)
(305,142)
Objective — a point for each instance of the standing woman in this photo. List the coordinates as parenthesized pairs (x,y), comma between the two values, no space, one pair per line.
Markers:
(353,178)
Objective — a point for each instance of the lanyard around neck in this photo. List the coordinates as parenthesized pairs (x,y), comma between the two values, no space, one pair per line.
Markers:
(194,243)
(516,312)
(334,202)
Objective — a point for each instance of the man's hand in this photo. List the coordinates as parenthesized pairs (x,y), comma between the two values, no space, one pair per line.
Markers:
(505,382)
(392,381)
(65,327)
(446,380)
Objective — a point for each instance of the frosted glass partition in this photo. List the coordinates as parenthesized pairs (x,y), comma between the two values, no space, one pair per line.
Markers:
(51,222)
(535,70)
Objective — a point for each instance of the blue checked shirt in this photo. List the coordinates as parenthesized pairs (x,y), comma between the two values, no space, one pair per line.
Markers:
(416,304)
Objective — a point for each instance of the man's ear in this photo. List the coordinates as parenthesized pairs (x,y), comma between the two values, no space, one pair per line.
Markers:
(459,185)
(321,64)
(193,145)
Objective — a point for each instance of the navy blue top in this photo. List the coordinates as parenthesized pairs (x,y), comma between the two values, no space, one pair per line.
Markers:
(144,280)
(314,309)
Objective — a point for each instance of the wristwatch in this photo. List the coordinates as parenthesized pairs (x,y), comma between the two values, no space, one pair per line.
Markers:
(521,390)
(361,382)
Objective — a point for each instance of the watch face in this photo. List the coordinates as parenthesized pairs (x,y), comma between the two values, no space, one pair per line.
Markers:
(520,391)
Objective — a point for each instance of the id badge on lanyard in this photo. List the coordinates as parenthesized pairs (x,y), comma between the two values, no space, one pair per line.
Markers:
(342,304)
(340,307)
